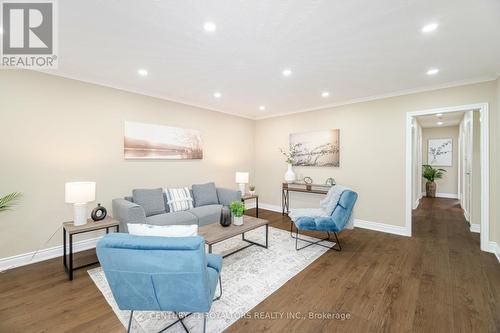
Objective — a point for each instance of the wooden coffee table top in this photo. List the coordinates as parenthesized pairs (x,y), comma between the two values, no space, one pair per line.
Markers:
(215,233)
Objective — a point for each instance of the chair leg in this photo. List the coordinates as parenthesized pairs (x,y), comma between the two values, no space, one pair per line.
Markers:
(220,288)
(182,322)
(204,322)
(337,242)
(317,242)
(130,321)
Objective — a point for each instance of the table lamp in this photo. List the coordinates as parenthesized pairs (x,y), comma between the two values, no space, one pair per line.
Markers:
(242,180)
(79,194)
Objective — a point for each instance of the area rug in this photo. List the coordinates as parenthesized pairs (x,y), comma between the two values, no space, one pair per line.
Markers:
(248,277)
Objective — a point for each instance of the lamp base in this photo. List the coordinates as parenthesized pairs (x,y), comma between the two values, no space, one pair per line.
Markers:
(79,214)
(242,189)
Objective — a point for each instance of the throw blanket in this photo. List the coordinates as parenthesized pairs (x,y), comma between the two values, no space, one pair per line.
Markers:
(327,205)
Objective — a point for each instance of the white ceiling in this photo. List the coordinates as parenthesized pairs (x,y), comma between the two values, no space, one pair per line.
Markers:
(447,119)
(353,49)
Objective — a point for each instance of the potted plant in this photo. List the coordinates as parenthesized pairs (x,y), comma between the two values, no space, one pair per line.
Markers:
(431,174)
(251,189)
(7,202)
(237,211)
(290,156)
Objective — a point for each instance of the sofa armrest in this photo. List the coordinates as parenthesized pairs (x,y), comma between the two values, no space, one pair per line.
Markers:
(127,212)
(226,196)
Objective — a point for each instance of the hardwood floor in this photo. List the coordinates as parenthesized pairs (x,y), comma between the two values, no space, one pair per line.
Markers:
(438,280)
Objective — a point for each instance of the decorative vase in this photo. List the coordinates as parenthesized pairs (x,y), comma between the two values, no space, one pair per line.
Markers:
(430,189)
(237,220)
(289,174)
(225,217)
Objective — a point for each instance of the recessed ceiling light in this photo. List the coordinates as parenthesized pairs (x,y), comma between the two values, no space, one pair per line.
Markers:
(287,72)
(142,72)
(209,26)
(325,94)
(440,123)
(217,94)
(439,115)
(262,108)
(432,71)
(430,27)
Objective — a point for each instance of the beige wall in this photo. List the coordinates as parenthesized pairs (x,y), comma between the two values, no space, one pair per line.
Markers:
(54,130)
(449,183)
(372,152)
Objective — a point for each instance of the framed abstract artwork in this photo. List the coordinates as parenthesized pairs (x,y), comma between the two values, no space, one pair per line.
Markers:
(148,141)
(440,152)
(318,149)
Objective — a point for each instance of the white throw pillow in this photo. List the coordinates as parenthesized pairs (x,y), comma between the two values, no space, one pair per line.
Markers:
(178,199)
(162,230)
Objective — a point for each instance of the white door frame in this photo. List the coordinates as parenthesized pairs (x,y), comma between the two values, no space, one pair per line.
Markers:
(485,185)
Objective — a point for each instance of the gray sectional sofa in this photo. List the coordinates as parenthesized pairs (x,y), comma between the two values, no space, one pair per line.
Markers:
(149,206)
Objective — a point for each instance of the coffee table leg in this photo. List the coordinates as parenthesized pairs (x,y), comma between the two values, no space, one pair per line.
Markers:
(209,248)
(267,235)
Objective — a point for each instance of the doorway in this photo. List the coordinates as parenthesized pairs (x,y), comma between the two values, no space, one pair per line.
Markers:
(469,180)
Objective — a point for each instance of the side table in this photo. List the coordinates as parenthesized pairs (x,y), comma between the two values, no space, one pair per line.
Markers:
(249,197)
(70,229)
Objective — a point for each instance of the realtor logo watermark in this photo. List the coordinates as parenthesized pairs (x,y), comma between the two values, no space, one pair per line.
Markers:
(29,34)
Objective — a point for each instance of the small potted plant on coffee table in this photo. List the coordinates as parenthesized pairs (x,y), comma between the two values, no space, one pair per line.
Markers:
(237,211)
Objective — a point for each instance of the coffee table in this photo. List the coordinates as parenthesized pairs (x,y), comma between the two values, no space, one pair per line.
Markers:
(215,233)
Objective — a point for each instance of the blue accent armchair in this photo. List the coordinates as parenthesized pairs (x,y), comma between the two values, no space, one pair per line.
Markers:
(330,224)
(160,274)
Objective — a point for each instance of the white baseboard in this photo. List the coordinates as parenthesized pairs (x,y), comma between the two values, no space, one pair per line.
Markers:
(495,249)
(387,228)
(475,228)
(382,227)
(444,195)
(44,254)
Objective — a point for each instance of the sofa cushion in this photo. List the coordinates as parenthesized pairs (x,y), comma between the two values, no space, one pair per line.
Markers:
(207,214)
(184,217)
(150,199)
(140,229)
(205,194)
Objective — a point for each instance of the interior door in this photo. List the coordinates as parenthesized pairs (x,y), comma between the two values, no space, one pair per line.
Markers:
(467,164)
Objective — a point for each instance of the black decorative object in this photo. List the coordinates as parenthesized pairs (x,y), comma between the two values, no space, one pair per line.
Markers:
(99,213)
(308,180)
(330,181)
(225,217)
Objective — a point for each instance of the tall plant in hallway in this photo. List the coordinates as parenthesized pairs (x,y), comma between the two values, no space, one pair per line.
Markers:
(8,201)
(431,174)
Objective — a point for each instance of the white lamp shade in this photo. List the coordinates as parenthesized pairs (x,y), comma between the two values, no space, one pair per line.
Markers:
(80,192)
(242,177)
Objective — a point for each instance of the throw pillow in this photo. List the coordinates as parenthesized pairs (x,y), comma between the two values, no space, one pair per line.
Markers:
(162,230)
(178,199)
(150,199)
(205,194)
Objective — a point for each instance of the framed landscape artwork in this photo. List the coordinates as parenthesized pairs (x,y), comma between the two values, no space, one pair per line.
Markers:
(147,141)
(318,149)
(440,152)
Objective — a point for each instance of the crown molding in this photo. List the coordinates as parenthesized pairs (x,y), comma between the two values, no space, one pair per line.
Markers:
(384,96)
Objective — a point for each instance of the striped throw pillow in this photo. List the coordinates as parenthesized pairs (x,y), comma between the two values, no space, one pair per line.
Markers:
(178,199)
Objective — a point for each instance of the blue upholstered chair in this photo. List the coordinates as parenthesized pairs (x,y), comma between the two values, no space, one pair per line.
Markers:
(160,274)
(334,223)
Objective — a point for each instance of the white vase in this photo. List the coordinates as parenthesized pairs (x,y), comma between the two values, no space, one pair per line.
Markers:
(237,220)
(289,174)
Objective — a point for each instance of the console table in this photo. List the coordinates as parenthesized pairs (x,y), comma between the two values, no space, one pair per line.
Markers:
(299,187)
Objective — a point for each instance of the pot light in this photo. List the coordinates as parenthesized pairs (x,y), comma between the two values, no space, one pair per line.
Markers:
(262,108)
(209,26)
(432,71)
(440,123)
(217,94)
(430,27)
(287,72)
(325,94)
(439,115)
(142,72)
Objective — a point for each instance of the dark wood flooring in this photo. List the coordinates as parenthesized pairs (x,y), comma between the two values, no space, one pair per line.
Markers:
(436,281)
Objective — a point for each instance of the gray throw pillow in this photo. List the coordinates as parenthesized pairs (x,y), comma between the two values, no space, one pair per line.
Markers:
(205,194)
(151,200)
